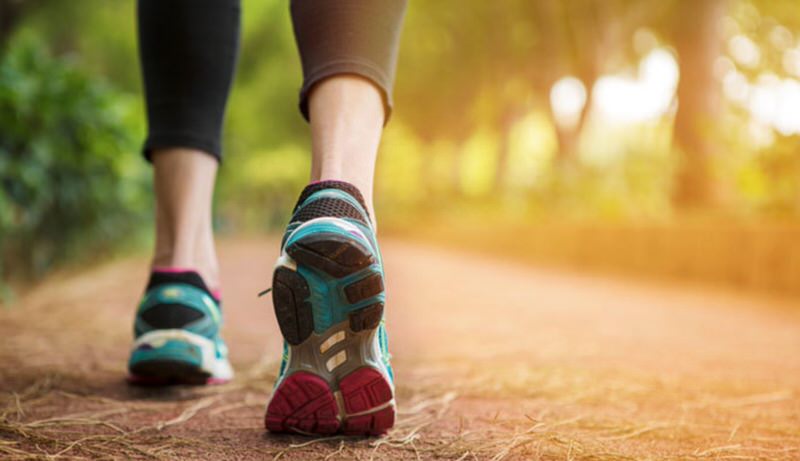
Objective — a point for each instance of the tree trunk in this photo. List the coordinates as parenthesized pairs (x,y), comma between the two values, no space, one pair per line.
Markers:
(10,15)
(699,42)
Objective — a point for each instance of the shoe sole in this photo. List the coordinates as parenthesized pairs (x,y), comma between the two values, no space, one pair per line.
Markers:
(333,382)
(168,372)
(166,357)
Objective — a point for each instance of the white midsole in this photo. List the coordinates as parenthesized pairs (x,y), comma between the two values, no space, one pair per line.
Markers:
(217,367)
(338,222)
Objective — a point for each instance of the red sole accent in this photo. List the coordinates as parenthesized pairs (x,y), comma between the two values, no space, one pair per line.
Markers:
(377,423)
(304,403)
(363,390)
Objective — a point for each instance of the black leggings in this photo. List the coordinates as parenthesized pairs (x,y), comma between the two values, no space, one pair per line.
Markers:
(188,50)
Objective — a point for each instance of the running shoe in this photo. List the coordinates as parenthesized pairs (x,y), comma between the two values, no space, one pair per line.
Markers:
(177,333)
(328,295)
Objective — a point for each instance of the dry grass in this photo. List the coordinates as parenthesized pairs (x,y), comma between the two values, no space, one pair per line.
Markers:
(61,398)
(565,427)
(87,433)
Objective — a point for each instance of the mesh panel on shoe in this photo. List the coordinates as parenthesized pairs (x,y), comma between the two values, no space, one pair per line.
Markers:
(188,277)
(168,316)
(341,185)
(328,207)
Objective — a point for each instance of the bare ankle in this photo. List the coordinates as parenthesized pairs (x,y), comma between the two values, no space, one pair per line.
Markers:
(206,265)
(184,184)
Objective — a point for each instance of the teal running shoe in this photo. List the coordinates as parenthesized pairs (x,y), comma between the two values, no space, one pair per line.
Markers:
(328,295)
(177,333)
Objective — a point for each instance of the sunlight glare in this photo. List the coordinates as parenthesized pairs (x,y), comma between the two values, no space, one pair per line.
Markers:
(763,100)
(781,37)
(624,99)
(791,61)
(735,86)
(567,98)
(776,102)
(744,51)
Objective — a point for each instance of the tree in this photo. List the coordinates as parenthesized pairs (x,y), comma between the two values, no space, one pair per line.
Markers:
(11,13)
(697,38)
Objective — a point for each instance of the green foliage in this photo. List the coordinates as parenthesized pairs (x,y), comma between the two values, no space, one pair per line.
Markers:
(768,182)
(266,152)
(70,181)
(472,125)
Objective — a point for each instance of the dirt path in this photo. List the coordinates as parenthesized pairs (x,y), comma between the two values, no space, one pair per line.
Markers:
(494,361)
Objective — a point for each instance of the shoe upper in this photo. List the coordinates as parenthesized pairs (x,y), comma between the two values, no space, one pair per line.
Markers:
(332,199)
(339,200)
(178,300)
(177,333)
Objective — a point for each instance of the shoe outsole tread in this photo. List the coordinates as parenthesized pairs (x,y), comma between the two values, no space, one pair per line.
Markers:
(356,398)
(165,372)
(305,403)
(295,316)
(337,256)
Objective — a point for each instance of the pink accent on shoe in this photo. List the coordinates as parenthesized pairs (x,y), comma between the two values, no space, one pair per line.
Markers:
(363,390)
(377,423)
(303,403)
(216,293)
(172,270)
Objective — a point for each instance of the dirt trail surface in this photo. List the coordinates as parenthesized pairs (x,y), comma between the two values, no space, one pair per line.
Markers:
(494,361)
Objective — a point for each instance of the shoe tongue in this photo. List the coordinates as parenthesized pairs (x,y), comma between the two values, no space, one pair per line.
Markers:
(332,184)
(188,277)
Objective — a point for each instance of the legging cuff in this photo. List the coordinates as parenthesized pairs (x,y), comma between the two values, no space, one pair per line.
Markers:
(181,140)
(362,68)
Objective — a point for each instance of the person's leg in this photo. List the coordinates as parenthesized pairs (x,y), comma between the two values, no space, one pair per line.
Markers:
(349,56)
(346,117)
(184,184)
(188,52)
(328,289)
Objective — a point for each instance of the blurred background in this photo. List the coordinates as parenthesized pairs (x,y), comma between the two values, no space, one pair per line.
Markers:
(650,138)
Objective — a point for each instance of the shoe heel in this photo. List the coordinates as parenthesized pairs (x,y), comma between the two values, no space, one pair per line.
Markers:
(368,403)
(176,356)
(328,296)
(303,403)
(172,361)
(328,258)
(332,253)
